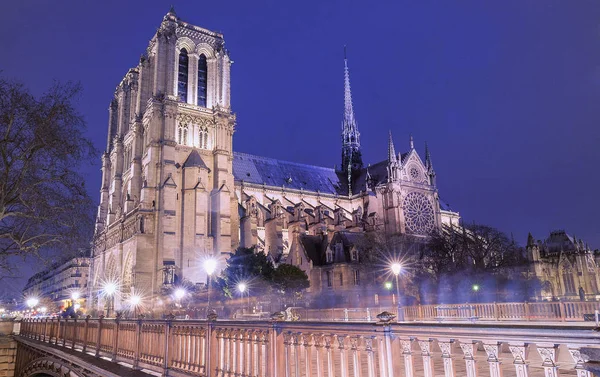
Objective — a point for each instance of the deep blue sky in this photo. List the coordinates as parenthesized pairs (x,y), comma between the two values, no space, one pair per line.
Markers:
(505,92)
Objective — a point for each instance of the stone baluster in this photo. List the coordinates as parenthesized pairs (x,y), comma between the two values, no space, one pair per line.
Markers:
(221,353)
(296,348)
(548,352)
(318,341)
(261,355)
(370,357)
(520,352)
(250,352)
(329,348)
(469,349)
(381,352)
(493,351)
(226,353)
(288,353)
(354,341)
(446,348)
(425,346)
(343,356)
(579,361)
(234,352)
(242,355)
(406,345)
(307,347)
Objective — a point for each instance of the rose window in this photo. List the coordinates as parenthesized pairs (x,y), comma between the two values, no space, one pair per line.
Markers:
(418,213)
(415,174)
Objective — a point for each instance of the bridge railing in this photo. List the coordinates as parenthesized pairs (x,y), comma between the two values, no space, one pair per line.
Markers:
(277,348)
(510,311)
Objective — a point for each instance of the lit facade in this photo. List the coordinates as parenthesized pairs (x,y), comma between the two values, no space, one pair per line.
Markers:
(174,192)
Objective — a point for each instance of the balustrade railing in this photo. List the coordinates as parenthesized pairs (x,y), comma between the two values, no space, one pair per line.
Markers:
(511,311)
(301,349)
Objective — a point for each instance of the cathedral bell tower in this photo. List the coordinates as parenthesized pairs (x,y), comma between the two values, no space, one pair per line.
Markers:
(351,155)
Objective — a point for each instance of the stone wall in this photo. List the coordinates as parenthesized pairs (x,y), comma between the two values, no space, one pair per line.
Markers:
(8,349)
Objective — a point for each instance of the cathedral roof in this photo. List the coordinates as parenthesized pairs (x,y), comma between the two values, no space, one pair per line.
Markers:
(278,173)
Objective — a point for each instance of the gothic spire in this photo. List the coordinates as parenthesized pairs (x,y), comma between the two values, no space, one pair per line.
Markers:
(350,128)
(351,155)
(428,163)
(412,143)
(392,159)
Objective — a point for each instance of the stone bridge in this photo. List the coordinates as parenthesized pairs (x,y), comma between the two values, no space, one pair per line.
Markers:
(121,347)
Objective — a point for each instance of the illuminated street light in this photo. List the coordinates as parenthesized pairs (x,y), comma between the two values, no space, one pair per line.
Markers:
(388,285)
(396,268)
(179,293)
(31,302)
(110,289)
(475,287)
(135,301)
(75,295)
(242,287)
(43,309)
(210,265)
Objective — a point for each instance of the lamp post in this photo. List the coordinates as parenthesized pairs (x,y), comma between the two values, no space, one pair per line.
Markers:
(396,268)
(210,265)
(242,287)
(134,301)
(109,291)
(32,303)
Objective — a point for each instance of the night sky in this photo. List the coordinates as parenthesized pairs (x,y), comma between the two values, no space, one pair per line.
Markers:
(505,92)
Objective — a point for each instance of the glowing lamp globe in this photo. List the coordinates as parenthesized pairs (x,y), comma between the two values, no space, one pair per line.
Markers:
(210,265)
(179,293)
(396,268)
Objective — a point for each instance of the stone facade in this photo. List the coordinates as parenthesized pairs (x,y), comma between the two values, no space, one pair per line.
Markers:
(175,193)
(60,281)
(566,266)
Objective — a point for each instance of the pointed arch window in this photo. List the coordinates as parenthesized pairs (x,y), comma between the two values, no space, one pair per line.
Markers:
(202,80)
(182,76)
(182,134)
(203,137)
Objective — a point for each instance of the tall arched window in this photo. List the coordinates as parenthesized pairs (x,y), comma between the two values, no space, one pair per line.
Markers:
(202,79)
(569,281)
(182,134)
(182,76)
(203,137)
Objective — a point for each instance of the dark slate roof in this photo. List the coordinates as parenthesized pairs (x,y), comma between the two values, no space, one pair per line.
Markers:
(194,160)
(273,172)
(315,247)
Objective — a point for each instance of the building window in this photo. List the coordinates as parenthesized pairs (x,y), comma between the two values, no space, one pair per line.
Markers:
(329,255)
(202,79)
(569,282)
(203,137)
(182,135)
(329,280)
(354,255)
(341,279)
(182,76)
(356,277)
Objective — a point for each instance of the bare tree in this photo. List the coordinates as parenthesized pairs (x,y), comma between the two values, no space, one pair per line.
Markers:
(43,200)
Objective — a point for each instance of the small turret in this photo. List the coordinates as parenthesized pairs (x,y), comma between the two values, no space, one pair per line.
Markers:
(429,166)
(393,165)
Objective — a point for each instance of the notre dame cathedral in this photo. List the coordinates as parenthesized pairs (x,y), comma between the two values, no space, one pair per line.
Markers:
(174,192)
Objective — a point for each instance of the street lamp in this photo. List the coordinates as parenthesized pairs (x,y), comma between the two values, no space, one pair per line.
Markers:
(210,265)
(396,268)
(134,301)
(242,287)
(32,302)
(109,290)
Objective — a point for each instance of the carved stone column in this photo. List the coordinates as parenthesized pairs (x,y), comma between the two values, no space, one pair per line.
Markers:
(425,346)
(446,348)
(287,342)
(406,345)
(520,352)
(318,340)
(492,351)
(579,361)
(307,351)
(548,352)
(469,350)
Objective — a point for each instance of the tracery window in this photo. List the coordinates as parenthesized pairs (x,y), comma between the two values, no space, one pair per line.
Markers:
(329,280)
(418,214)
(203,137)
(569,281)
(329,255)
(202,80)
(182,75)
(182,134)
